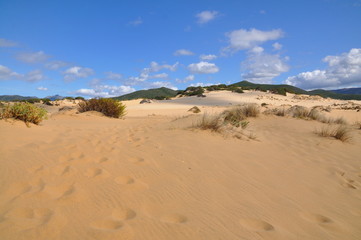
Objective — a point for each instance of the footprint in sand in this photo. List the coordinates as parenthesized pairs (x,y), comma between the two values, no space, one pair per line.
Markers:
(316,218)
(95,172)
(136,160)
(256,225)
(28,218)
(107,224)
(63,170)
(123,214)
(174,218)
(60,192)
(102,160)
(124,180)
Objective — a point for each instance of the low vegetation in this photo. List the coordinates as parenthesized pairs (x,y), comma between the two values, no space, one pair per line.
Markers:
(109,107)
(23,111)
(194,109)
(230,119)
(341,133)
(305,113)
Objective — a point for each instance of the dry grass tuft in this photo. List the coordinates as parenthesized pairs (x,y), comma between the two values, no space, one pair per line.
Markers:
(109,107)
(210,122)
(341,133)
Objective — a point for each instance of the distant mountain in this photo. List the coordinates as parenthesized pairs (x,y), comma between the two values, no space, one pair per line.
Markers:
(330,94)
(347,91)
(55,97)
(14,98)
(149,94)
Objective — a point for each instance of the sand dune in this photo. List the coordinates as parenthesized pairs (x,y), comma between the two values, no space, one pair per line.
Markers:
(148,176)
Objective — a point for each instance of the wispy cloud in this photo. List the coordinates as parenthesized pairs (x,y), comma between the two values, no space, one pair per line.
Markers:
(32,76)
(113,76)
(55,65)
(104,91)
(183,52)
(207,57)
(206,16)
(189,78)
(76,72)
(32,57)
(7,43)
(136,22)
(42,88)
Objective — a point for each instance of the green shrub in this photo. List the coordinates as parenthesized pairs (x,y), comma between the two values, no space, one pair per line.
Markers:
(193,91)
(69,98)
(46,101)
(26,112)
(109,107)
(80,98)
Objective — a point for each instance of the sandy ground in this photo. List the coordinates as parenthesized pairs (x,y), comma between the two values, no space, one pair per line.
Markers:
(148,176)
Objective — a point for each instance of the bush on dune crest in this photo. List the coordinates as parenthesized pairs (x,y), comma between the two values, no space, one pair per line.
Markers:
(24,111)
(109,107)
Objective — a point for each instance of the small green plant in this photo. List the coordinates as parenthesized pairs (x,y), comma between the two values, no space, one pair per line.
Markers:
(264,104)
(244,124)
(80,98)
(47,101)
(26,112)
(109,107)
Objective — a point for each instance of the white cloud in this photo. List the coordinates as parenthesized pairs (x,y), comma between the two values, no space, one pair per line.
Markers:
(55,65)
(113,76)
(200,84)
(76,72)
(145,73)
(277,46)
(155,67)
(262,67)
(342,71)
(136,22)
(207,57)
(183,52)
(159,76)
(32,57)
(243,39)
(203,68)
(34,76)
(105,91)
(7,43)
(7,74)
(42,89)
(257,50)
(186,79)
(206,16)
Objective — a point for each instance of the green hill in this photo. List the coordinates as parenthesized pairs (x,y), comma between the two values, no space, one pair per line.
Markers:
(14,98)
(326,94)
(280,88)
(347,91)
(156,93)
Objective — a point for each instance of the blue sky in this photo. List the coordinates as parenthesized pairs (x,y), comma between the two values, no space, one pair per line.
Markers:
(109,48)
